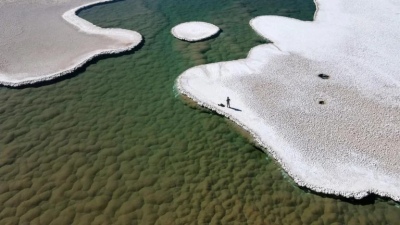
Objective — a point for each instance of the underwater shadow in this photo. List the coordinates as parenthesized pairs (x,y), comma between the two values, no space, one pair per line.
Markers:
(367,200)
(78,70)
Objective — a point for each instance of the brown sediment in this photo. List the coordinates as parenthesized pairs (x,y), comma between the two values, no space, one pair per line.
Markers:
(192,104)
(245,133)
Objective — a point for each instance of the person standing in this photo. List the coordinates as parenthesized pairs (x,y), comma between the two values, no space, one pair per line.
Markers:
(228,102)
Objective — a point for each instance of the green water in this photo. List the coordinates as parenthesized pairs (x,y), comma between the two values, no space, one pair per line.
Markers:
(112,144)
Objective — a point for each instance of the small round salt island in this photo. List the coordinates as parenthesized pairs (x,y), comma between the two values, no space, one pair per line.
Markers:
(194,31)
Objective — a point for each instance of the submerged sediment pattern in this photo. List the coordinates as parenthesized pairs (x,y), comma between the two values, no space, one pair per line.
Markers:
(111,144)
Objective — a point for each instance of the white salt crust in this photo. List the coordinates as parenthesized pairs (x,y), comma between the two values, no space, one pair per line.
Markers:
(130,39)
(348,146)
(194,31)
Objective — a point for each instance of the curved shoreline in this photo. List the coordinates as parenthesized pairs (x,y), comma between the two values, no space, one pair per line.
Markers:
(85,26)
(185,90)
(268,150)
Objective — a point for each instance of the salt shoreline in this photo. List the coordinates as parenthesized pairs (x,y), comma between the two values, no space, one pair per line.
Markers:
(267,149)
(189,82)
(132,38)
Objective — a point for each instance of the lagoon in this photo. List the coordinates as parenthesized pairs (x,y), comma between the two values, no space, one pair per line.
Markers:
(113,143)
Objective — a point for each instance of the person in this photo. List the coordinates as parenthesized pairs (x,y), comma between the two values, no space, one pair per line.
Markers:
(228,102)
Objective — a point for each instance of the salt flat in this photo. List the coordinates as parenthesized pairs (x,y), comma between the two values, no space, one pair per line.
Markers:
(41,40)
(338,135)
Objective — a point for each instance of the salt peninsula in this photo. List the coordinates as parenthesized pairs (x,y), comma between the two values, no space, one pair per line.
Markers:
(323,98)
(41,40)
(194,31)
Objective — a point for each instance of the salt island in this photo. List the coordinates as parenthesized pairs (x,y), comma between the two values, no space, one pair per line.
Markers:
(194,31)
(323,98)
(41,40)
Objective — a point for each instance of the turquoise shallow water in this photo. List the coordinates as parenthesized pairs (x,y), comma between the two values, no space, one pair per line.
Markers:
(112,144)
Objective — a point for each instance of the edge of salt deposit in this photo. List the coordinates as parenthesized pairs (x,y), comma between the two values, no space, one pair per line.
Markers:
(85,26)
(180,86)
(267,149)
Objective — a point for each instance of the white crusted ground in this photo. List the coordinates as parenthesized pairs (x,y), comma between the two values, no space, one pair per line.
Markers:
(350,145)
(41,40)
(194,31)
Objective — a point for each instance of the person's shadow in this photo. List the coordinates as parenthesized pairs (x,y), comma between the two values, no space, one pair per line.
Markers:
(222,105)
(235,109)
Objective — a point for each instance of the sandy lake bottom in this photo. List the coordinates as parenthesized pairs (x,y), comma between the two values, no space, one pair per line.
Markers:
(112,144)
